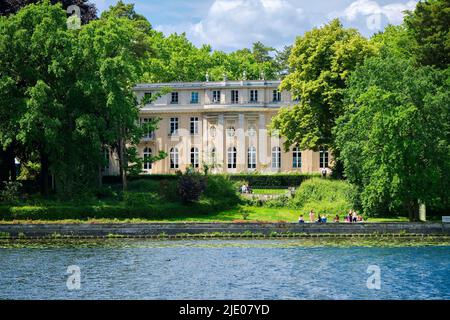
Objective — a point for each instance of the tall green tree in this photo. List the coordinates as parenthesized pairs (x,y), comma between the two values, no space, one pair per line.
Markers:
(37,78)
(116,49)
(394,136)
(429,25)
(321,62)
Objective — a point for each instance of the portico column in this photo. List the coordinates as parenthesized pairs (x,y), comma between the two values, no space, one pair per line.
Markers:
(204,151)
(240,144)
(262,140)
(220,136)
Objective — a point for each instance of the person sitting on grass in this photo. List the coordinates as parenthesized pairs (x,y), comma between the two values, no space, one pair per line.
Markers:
(354,216)
(336,218)
(359,218)
(324,218)
(311,215)
(350,216)
(319,218)
(300,219)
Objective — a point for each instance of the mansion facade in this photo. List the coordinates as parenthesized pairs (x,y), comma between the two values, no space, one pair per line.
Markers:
(221,124)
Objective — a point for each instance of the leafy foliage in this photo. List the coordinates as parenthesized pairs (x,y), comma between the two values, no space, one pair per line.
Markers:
(191,185)
(321,61)
(429,25)
(394,136)
(324,196)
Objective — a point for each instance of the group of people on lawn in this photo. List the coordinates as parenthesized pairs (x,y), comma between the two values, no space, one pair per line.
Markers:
(351,217)
(245,188)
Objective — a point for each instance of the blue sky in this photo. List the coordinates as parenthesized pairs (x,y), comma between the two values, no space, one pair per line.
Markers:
(233,24)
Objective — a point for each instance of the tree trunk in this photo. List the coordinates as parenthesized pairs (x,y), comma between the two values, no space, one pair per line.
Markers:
(7,164)
(4,170)
(100,176)
(413,210)
(122,164)
(44,174)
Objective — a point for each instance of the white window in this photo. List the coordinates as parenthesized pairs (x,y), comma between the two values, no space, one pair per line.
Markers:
(147,155)
(231,153)
(194,125)
(234,96)
(323,156)
(251,161)
(276,157)
(216,96)
(174,98)
(194,157)
(173,126)
(149,134)
(296,158)
(253,95)
(174,157)
(276,96)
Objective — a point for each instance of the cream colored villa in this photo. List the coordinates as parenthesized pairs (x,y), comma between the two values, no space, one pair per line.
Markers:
(222,124)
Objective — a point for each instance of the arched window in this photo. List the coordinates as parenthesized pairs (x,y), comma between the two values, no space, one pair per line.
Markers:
(194,157)
(231,157)
(296,158)
(251,158)
(147,155)
(276,157)
(323,156)
(174,158)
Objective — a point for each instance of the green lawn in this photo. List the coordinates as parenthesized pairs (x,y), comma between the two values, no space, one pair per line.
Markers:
(255,214)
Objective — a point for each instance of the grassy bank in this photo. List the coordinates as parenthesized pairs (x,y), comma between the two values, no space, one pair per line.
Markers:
(255,214)
(158,201)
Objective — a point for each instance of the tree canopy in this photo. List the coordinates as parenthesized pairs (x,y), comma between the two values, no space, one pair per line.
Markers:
(394,135)
(321,61)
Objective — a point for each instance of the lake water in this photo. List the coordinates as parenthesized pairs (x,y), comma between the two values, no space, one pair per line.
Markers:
(222,269)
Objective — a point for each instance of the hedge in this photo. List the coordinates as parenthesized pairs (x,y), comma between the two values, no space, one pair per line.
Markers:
(254,180)
(273,180)
(151,212)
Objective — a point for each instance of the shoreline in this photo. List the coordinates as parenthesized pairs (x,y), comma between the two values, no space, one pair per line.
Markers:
(225,230)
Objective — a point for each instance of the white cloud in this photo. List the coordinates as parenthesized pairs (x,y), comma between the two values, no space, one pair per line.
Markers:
(232,24)
(393,12)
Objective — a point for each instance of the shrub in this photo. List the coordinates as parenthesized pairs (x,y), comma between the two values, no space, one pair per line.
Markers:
(10,192)
(140,199)
(105,192)
(168,190)
(324,196)
(280,201)
(191,186)
(221,188)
